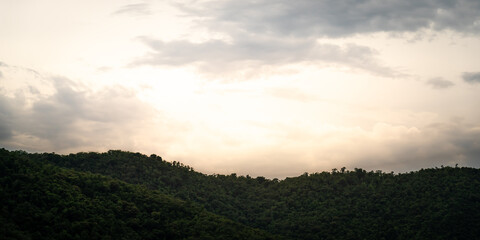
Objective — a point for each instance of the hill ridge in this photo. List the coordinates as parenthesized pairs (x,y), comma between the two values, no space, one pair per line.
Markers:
(440,203)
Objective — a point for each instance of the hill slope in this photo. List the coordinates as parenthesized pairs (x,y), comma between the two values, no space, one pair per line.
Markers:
(42,201)
(441,203)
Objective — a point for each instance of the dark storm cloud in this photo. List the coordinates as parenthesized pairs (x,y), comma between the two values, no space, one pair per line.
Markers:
(335,18)
(440,83)
(134,9)
(471,77)
(244,52)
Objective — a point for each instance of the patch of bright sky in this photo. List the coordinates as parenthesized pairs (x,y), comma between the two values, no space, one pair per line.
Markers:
(76,39)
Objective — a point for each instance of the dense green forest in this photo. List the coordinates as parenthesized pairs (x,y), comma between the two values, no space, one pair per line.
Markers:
(124,195)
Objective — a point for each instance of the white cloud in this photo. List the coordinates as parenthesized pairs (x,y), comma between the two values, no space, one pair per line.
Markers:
(137,9)
(68,117)
(246,53)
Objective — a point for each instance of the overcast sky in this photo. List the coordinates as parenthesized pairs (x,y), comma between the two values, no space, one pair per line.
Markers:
(270,88)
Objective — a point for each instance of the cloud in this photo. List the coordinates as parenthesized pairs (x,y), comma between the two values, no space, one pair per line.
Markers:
(290,149)
(337,18)
(263,36)
(444,143)
(71,117)
(5,120)
(440,83)
(66,119)
(137,9)
(258,36)
(471,77)
(104,69)
(250,53)
(2,65)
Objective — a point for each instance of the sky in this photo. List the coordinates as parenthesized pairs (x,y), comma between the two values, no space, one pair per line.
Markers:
(264,88)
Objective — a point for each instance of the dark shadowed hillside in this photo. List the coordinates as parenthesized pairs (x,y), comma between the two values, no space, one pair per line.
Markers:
(42,201)
(440,203)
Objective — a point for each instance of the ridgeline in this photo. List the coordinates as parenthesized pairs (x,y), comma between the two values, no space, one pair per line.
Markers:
(124,195)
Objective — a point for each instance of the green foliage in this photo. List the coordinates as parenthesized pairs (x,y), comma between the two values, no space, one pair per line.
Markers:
(441,203)
(43,201)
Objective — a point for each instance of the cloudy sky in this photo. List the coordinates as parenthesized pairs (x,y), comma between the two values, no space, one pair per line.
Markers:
(271,88)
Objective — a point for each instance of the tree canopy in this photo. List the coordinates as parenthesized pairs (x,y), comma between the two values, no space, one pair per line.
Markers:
(120,194)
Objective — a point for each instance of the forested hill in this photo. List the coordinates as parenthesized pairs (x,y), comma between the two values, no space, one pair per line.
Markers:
(137,196)
(41,201)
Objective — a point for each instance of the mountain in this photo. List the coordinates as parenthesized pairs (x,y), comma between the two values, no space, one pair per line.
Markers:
(439,203)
